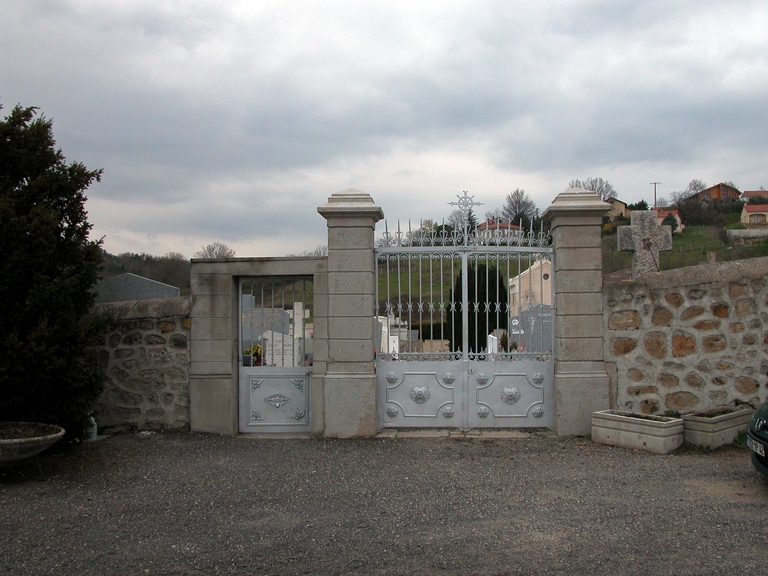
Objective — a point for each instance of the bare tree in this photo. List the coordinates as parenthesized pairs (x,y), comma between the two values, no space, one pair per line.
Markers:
(215,250)
(458,219)
(320,250)
(494,214)
(695,186)
(519,206)
(604,188)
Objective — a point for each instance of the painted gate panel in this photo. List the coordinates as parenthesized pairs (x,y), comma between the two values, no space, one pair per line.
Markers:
(419,394)
(466,325)
(276,333)
(509,394)
(274,399)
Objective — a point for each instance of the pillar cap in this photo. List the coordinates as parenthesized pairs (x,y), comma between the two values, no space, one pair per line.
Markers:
(351,203)
(576,202)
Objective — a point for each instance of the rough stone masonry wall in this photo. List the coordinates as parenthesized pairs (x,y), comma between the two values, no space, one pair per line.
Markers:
(145,354)
(689,339)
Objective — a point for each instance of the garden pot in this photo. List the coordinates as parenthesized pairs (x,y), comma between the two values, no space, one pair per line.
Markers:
(22,440)
(657,434)
(717,426)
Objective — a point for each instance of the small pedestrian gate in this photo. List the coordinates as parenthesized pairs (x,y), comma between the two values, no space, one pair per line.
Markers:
(466,327)
(276,327)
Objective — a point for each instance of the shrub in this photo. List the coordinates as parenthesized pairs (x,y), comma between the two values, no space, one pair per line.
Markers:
(48,373)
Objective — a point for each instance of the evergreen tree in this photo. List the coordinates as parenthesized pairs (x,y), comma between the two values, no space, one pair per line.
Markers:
(670,220)
(48,373)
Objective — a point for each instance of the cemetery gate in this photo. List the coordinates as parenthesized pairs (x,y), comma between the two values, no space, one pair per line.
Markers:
(275,353)
(466,328)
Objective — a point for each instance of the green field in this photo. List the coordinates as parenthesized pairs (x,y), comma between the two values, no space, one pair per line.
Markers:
(688,248)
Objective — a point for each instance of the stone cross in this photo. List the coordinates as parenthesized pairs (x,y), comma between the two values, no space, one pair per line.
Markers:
(646,239)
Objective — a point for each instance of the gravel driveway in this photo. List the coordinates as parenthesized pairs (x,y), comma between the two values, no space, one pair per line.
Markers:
(531,504)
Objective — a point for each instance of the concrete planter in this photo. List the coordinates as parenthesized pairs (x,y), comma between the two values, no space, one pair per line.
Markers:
(16,449)
(715,427)
(657,434)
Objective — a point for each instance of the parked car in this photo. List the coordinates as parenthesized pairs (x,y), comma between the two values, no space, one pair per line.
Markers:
(757,438)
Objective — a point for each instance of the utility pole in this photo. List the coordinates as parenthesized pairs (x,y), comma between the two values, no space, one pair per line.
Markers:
(654,193)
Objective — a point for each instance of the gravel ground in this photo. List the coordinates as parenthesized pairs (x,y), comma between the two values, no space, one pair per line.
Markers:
(536,504)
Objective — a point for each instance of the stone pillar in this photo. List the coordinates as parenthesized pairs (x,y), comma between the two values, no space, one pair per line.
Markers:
(581,382)
(350,381)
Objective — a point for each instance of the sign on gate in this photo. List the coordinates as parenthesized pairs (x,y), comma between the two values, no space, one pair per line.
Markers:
(472,314)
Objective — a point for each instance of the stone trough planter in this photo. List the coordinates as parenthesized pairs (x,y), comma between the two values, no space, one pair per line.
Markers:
(715,427)
(657,434)
(21,441)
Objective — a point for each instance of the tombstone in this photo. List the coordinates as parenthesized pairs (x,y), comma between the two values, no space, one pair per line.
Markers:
(646,239)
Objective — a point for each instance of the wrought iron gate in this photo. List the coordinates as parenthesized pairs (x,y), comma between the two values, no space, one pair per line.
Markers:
(466,327)
(276,328)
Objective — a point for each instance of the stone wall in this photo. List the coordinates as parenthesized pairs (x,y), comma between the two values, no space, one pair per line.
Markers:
(145,353)
(689,339)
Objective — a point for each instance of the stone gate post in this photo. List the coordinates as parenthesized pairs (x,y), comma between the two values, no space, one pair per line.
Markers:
(350,381)
(581,383)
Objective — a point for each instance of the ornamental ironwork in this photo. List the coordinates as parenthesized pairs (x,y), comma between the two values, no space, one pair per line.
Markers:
(391,377)
(448,412)
(537,412)
(482,379)
(256,415)
(277,400)
(510,395)
(483,412)
(299,383)
(298,416)
(420,394)
(392,411)
(538,378)
(449,378)
(256,384)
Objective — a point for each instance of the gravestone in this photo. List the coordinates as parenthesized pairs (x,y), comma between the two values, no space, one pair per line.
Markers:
(646,239)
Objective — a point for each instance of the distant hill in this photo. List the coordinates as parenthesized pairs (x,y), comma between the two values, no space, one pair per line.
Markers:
(170,269)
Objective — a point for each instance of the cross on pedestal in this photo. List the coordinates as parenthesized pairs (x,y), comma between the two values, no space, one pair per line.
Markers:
(646,239)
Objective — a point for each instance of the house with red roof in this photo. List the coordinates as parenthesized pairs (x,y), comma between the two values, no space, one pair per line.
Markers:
(496,224)
(662,213)
(755,215)
(747,195)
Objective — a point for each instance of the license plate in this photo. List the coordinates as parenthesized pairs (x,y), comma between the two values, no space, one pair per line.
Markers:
(756,446)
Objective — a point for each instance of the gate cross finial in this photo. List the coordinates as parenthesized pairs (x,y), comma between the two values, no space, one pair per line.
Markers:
(466,202)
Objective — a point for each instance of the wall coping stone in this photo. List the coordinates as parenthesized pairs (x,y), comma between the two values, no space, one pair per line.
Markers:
(708,273)
(351,203)
(151,308)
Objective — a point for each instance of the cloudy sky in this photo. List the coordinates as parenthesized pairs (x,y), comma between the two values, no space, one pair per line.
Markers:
(232,121)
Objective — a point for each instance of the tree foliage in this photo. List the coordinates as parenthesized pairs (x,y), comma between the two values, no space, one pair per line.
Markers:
(215,250)
(48,372)
(459,220)
(519,209)
(696,213)
(602,187)
(671,221)
(171,268)
(642,205)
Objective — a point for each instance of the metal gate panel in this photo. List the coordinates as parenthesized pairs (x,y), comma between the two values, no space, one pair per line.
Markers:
(509,394)
(467,334)
(419,394)
(275,353)
(274,399)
